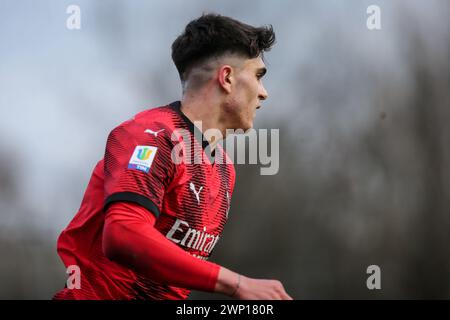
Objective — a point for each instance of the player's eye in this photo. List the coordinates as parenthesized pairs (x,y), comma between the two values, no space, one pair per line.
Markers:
(259,76)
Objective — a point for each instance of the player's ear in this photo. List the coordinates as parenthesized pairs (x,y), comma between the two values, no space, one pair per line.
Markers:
(225,77)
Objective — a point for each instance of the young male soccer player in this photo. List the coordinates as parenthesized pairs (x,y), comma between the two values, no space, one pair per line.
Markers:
(147,223)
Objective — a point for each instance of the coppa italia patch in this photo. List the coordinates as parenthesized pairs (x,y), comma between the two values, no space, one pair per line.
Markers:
(142,158)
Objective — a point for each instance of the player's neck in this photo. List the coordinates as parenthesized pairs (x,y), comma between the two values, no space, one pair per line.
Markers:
(200,111)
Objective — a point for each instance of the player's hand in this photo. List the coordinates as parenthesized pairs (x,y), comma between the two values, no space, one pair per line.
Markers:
(244,288)
(260,289)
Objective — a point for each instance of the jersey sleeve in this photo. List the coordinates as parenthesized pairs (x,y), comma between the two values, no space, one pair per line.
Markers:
(137,165)
(130,235)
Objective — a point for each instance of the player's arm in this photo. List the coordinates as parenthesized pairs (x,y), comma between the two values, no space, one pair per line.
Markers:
(130,239)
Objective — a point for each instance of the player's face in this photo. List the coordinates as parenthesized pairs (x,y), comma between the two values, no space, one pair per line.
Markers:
(248,92)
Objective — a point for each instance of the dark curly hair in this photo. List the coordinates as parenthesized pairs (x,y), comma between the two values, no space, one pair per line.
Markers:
(213,35)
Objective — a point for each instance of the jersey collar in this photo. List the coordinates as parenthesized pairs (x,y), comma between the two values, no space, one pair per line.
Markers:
(176,105)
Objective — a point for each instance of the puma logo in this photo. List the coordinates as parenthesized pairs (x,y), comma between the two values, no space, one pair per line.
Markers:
(155,133)
(197,193)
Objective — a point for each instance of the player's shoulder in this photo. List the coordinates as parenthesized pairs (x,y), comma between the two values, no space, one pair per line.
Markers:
(157,123)
(157,118)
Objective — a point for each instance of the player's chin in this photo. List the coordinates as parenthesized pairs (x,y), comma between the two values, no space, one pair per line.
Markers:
(244,124)
(248,126)
(243,127)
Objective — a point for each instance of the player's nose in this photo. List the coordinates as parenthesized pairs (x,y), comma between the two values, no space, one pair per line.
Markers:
(263,95)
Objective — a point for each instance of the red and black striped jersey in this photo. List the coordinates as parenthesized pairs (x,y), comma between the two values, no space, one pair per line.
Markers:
(159,160)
